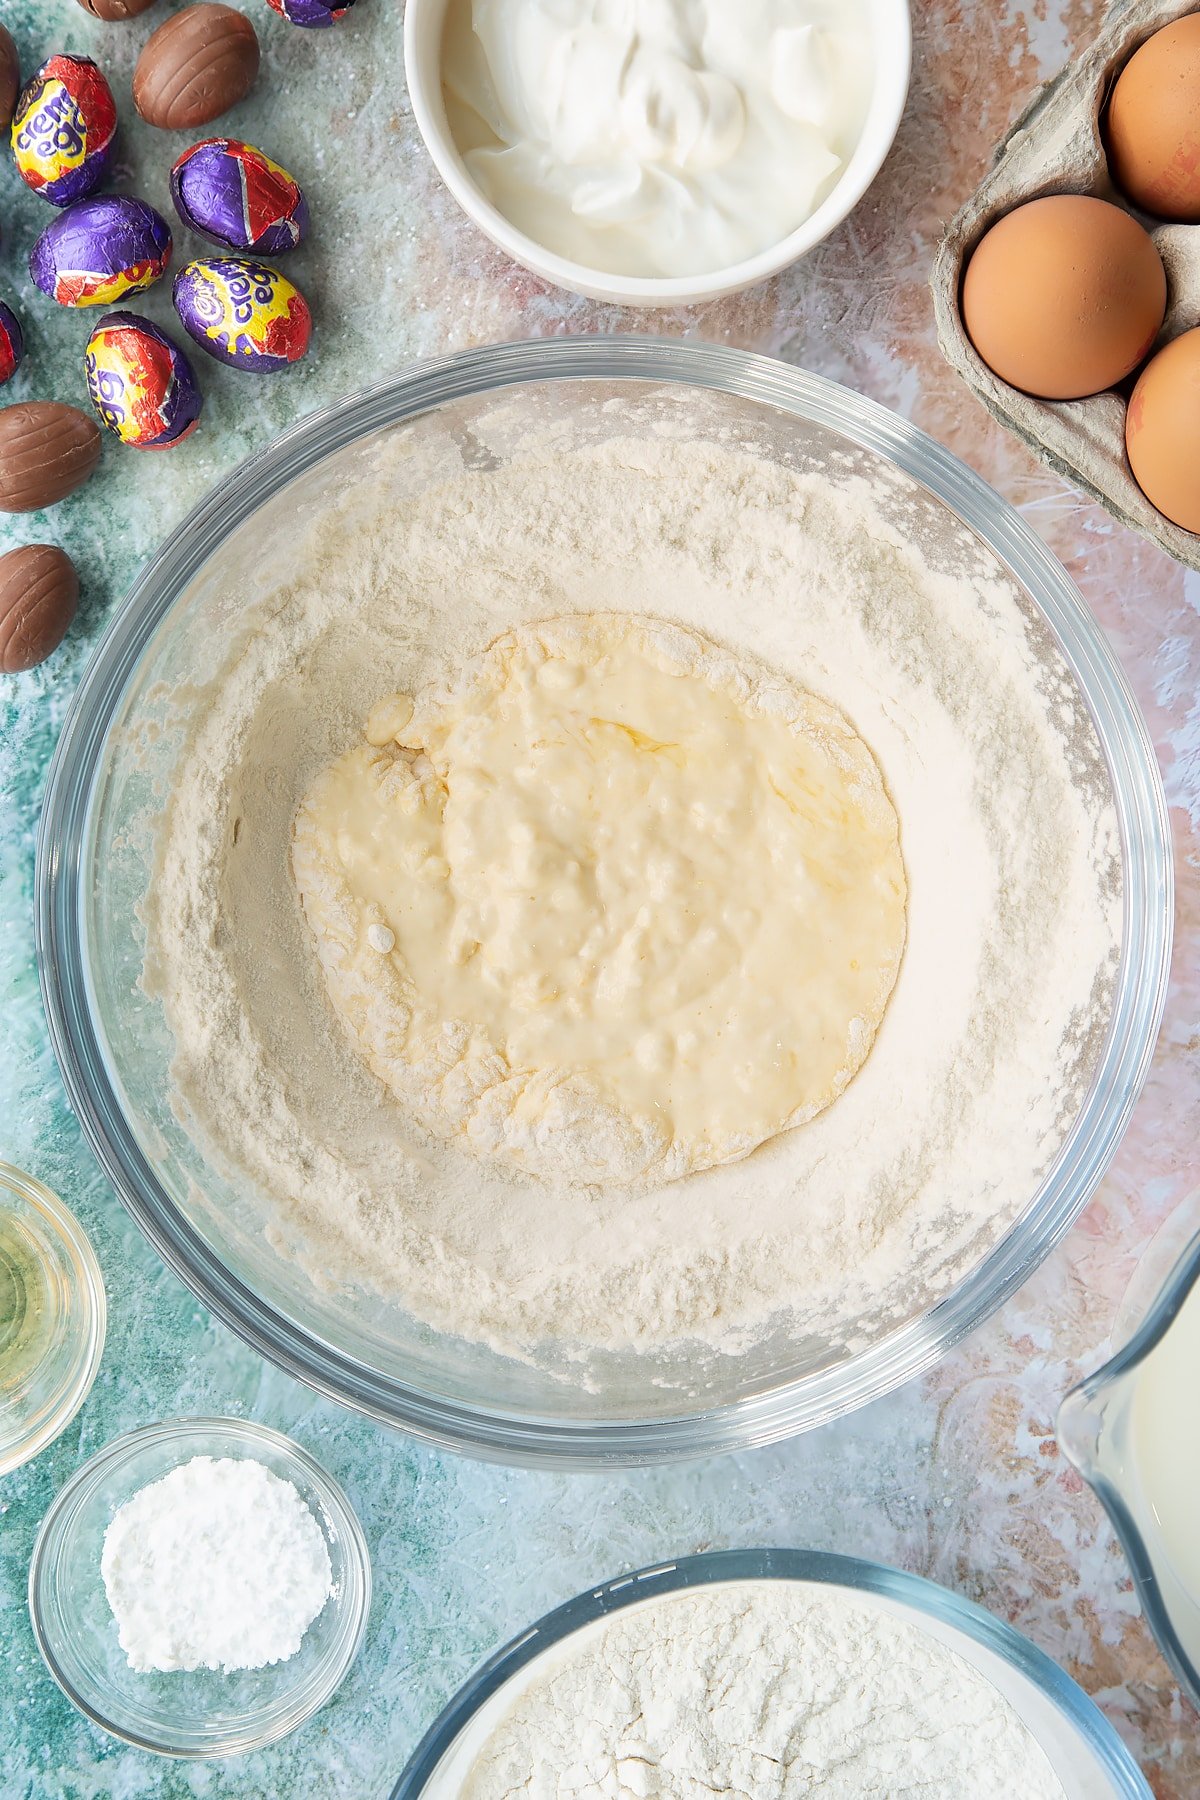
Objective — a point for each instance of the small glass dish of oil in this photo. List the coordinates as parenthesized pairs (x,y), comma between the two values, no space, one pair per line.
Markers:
(1130,1429)
(52,1315)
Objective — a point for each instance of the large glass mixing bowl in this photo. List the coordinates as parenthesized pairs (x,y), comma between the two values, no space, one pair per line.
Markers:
(95,860)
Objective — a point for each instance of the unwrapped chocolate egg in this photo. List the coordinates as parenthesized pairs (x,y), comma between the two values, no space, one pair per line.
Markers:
(10,77)
(63,130)
(47,450)
(311,12)
(1153,126)
(12,343)
(232,193)
(1064,296)
(39,592)
(245,314)
(1162,431)
(116,10)
(100,250)
(141,383)
(198,64)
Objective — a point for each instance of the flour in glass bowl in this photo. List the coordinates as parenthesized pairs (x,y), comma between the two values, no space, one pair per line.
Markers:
(830,1232)
(774,1690)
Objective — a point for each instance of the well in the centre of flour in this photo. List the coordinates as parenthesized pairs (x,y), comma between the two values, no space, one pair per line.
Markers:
(611,904)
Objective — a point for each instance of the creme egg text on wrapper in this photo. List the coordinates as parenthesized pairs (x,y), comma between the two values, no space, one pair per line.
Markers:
(230,192)
(141,383)
(1064,296)
(245,314)
(63,130)
(100,250)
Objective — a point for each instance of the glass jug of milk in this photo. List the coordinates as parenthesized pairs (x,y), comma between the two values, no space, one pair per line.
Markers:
(1133,1431)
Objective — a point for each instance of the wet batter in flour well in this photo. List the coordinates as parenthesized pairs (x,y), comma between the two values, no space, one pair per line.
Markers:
(613,904)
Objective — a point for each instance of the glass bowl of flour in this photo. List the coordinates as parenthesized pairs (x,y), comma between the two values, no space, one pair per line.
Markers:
(465,1238)
(773,1671)
(250,1677)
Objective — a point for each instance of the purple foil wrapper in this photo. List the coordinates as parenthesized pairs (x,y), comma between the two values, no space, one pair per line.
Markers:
(230,192)
(12,343)
(245,314)
(63,130)
(101,250)
(311,12)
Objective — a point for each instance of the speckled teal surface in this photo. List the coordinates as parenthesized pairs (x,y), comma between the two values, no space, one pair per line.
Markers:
(957,1477)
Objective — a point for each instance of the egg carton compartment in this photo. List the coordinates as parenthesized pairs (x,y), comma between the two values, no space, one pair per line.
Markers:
(1057,147)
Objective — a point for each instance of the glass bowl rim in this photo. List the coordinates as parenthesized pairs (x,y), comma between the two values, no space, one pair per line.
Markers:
(538,1440)
(1164,1310)
(354,1604)
(827,1568)
(90,1294)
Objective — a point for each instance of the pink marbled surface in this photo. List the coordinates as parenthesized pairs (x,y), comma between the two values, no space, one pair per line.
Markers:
(957,1477)
(1018,1530)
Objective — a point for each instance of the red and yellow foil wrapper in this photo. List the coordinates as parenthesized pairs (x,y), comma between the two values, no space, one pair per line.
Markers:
(64,130)
(141,383)
(101,250)
(234,194)
(245,314)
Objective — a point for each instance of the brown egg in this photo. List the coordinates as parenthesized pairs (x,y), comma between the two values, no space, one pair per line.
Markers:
(39,591)
(1064,296)
(1153,124)
(1162,431)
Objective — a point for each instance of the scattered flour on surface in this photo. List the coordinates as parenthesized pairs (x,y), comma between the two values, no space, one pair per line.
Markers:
(759,1691)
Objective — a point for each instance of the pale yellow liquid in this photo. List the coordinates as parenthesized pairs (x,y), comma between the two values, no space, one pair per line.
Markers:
(28,1306)
(1163,1440)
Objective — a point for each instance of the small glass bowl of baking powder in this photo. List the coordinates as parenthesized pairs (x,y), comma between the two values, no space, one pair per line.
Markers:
(200,1712)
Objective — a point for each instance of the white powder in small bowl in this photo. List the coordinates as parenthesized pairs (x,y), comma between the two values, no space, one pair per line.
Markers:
(219,1565)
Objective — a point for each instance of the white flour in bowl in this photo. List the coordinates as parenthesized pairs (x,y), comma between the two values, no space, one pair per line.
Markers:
(829,1232)
(773,1690)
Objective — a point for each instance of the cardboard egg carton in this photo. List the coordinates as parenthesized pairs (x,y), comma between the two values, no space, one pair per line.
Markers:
(1056,147)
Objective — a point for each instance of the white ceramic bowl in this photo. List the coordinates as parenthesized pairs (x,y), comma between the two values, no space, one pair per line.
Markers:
(890,29)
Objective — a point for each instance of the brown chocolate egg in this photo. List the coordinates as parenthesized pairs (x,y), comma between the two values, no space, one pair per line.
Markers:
(47,450)
(198,64)
(10,77)
(116,10)
(1153,125)
(1162,431)
(39,591)
(1064,296)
